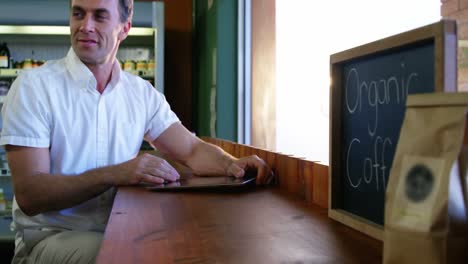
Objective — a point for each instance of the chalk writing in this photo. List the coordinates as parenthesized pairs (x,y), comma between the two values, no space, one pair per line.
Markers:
(372,167)
(375,94)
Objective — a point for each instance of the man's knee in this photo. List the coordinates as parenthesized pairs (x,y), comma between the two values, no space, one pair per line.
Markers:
(67,247)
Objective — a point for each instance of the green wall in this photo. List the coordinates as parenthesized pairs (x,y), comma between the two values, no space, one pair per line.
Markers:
(215,68)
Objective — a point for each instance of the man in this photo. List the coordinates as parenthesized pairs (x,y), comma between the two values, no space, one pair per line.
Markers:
(72,130)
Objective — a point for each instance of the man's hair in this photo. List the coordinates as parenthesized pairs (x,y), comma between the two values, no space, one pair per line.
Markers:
(125,10)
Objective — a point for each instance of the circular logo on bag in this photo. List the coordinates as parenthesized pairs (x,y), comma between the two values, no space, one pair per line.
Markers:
(419,183)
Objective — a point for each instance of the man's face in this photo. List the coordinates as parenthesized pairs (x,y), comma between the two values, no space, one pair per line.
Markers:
(96,30)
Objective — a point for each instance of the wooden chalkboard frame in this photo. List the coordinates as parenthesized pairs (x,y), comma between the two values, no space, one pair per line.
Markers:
(443,34)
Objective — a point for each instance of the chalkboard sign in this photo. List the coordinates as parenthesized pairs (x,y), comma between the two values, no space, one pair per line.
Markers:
(370,84)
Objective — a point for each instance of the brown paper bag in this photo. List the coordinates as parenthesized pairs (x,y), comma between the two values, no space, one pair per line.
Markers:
(426,196)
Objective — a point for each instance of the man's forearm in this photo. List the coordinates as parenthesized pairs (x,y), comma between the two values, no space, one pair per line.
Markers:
(209,159)
(37,191)
(42,192)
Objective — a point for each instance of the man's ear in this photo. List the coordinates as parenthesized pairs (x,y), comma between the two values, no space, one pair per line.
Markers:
(125,29)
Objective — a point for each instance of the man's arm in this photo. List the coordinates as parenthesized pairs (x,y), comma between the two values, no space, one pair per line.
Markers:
(37,191)
(204,158)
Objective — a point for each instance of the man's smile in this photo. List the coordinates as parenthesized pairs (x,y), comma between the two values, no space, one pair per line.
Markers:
(87,41)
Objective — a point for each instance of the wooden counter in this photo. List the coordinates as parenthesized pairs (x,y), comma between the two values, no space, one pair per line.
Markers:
(255,225)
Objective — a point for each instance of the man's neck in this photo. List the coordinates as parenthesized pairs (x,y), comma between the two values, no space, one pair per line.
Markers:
(103,75)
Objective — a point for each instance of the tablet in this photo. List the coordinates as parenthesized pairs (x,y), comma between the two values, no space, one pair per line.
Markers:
(190,181)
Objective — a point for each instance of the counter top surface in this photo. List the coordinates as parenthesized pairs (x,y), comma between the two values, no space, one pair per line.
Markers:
(255,225)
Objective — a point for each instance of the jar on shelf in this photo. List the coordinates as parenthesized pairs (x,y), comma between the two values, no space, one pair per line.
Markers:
(17,65)
(27,64)
(129,65)
(141,65)
(151,65)
(151,69)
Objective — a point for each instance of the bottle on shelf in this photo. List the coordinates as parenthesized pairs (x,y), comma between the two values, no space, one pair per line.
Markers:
(2,200)
(4,56)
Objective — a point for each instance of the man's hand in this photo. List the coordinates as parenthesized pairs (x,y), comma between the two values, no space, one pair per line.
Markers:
(207,159)
(238,167)
(145,168)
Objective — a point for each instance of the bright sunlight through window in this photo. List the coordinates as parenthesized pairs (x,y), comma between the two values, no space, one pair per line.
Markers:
(307,33)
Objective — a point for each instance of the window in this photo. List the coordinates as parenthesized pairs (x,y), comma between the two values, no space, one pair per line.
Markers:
(307,33)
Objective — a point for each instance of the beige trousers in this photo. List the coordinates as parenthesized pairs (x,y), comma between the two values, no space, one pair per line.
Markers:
(64,247)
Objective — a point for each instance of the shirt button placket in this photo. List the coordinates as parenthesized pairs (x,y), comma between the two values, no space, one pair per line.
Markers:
(102,133)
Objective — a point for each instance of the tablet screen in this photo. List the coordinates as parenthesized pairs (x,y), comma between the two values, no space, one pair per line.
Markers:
(190,181)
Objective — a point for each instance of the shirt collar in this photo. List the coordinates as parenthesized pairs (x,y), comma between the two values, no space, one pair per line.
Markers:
(80,72)
(76,67)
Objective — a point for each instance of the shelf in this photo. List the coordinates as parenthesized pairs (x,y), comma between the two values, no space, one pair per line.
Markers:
(62,30)
(13,73)
(143,74)
(9,73)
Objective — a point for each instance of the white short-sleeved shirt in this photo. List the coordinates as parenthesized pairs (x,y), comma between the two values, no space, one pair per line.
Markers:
(57,106)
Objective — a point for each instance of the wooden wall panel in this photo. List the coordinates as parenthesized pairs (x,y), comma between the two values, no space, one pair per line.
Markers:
(320,185)
(304,179)
(178,59)
(263,74)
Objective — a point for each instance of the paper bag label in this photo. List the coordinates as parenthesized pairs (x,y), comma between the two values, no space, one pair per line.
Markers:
(416,192)
(419,183)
